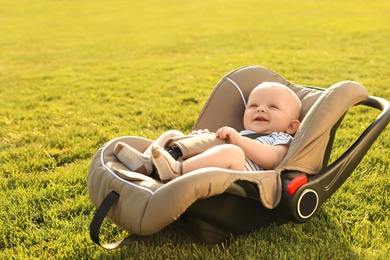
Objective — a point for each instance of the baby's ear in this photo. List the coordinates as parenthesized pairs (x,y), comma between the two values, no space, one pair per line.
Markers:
(293,127)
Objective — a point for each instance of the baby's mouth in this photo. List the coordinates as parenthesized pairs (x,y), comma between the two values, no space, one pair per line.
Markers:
(261,119)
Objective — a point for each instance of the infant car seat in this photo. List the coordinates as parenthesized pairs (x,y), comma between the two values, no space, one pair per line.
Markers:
(214,203)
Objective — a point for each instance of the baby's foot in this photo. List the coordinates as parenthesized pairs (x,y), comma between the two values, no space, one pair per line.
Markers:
(167,167)
(133,159)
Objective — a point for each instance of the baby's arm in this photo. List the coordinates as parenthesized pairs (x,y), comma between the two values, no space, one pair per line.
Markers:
(266,156)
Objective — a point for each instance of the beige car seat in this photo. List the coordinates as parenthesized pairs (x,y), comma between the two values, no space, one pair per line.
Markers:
(213,203)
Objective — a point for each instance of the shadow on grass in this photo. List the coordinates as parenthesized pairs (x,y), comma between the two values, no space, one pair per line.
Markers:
(320,238)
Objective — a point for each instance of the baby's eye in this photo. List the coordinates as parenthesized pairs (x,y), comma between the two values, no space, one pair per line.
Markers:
(273,106)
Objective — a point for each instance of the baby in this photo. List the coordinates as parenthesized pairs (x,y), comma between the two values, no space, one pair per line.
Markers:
(272,110)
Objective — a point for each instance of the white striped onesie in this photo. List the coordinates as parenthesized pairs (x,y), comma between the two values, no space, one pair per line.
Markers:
(275,138)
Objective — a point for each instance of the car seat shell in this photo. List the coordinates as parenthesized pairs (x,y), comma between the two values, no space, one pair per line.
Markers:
(144,205)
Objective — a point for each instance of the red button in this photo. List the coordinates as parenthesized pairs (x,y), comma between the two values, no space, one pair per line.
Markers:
(296,183)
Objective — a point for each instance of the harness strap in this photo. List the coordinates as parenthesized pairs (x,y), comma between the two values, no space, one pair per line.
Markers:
(97,221)
(254,135)
(176,152)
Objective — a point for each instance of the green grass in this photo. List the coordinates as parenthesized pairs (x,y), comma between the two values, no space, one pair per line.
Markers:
(75,74)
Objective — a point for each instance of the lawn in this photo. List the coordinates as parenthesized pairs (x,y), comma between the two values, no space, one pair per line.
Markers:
(76,74)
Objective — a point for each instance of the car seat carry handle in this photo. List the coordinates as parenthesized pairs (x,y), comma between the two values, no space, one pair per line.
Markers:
(97,221)
(336,174)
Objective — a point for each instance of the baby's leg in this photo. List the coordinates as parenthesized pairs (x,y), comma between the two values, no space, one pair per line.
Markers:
(133,159)
(137,161)
(225,156)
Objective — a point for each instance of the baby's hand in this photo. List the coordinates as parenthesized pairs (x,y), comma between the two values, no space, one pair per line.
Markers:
(200,131)
(229,134)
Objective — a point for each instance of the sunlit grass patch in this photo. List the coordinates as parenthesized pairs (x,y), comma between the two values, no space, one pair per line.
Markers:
(76,74)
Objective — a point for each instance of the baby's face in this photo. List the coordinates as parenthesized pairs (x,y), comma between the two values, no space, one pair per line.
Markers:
(270,109)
